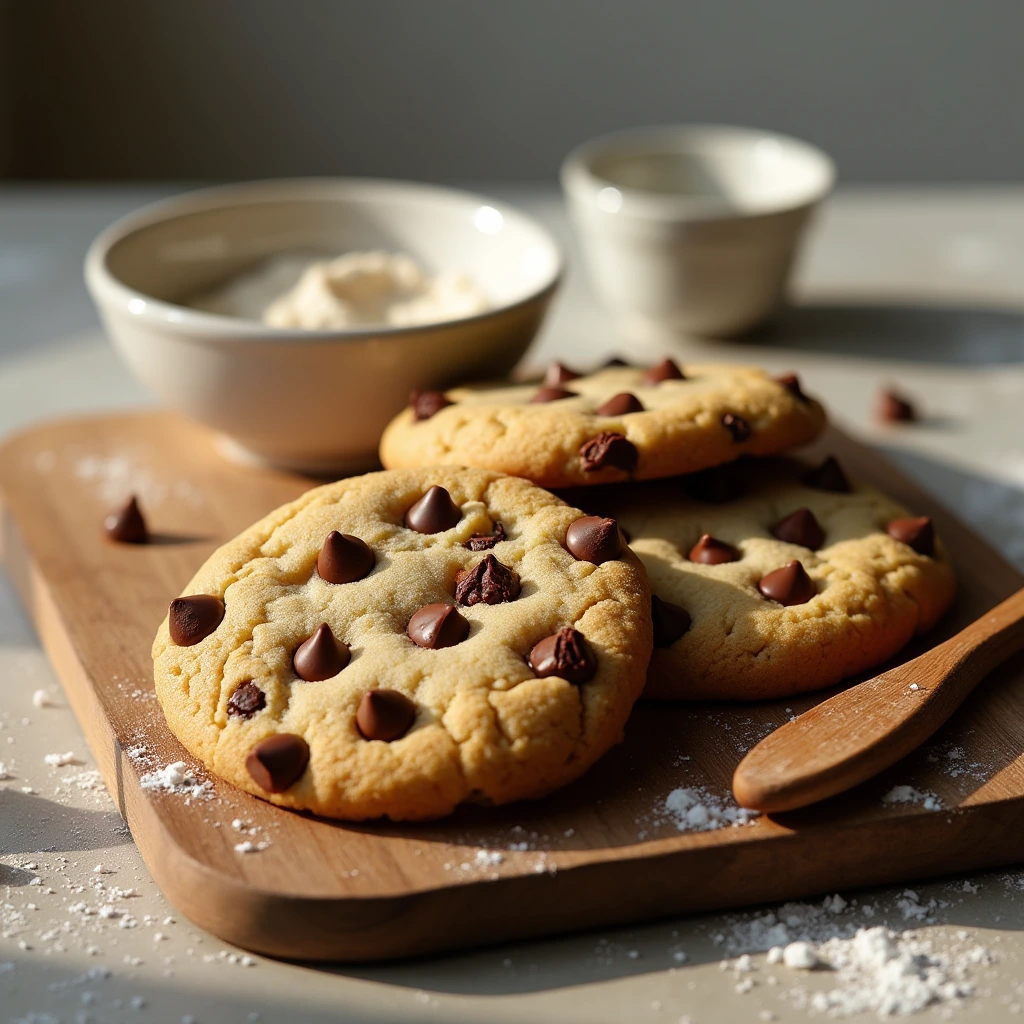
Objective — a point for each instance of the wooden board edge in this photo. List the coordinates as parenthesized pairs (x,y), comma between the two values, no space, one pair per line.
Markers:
(386,927)
(368,929)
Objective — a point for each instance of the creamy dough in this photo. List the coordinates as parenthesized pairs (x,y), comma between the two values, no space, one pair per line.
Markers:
(357,289)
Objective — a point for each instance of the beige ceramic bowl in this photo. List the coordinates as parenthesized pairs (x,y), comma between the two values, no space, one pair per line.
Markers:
(692,229)
(312,400)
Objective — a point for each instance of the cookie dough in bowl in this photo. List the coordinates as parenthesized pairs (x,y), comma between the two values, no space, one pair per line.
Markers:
(620,423)
(773,578)
(403,642)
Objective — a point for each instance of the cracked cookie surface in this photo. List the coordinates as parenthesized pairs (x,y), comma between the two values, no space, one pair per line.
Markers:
(616,424)
(463,714)
(742,621)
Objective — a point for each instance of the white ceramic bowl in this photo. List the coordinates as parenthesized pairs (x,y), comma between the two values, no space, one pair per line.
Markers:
(692,229)
(312,400)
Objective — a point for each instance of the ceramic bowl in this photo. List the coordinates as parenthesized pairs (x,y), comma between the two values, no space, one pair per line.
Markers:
(692,229)
(314,401)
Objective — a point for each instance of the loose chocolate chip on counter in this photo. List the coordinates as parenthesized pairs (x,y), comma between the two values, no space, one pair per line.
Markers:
(593,539)
(917,533)
(434,512)
(608,449)
(717,485)
(322,656)
(437,625)
(788,585)
(485,541)
(488,582)
(665,370)
(278,761)
(737,426)
(547,394)
(246,701)
(829,476)
(559,373)
(565,654)
(194,618)
(344,558)
(127,525)
(710,551)
(800,527)
(621,405)
(425,404)
(385,715)
(791,382)
(670,621)
(894,408)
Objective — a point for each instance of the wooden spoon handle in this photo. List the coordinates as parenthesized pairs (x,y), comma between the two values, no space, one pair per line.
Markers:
(863,730)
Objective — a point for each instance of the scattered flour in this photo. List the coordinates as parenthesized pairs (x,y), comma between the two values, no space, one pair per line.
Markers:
(61,760)
(41,699)
(800,955)
(248,846)
(909,795)
(892,975)
(5,771)
(177,778)
(696,810)
(867,969)
(115,477)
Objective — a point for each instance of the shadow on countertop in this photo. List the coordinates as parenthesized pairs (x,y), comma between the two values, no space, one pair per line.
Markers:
(957,335)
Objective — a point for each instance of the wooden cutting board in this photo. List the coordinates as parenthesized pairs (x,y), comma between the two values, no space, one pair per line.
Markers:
(602,851)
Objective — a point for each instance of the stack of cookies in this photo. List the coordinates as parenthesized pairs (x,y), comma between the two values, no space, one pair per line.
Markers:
(449,631)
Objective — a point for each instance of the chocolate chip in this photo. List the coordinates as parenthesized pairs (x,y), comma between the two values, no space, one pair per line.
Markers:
(737,426)
(665,370)
(917,533)
(344,558)
(425,404)
(788,585)
(593,539)
(565,654)
(615,361)
(829,476)
(437,625)
(385,715)
(670,621)
(278,761)
(894,408)
(718,484)
(484,541)
(551,395)
(322,656)
(800,527)
(488,582)
(127,525)
(791,382)
(434,512)
(608,449)
(710,551)
(246,701)
(194,618)
(621,405)
(559,373)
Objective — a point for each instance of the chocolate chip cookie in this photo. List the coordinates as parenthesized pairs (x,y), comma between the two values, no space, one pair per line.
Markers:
(772,578)
(400,643)
(619,423)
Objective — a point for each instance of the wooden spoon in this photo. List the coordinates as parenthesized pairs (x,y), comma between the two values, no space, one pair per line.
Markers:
(857,733)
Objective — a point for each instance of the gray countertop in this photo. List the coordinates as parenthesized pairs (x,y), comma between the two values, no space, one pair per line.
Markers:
(922,288)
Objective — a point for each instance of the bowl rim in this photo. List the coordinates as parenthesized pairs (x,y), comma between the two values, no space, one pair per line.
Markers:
(579,181)
(107,289)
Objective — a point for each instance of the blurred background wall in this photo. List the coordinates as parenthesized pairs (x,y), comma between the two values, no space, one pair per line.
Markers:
(896,90)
